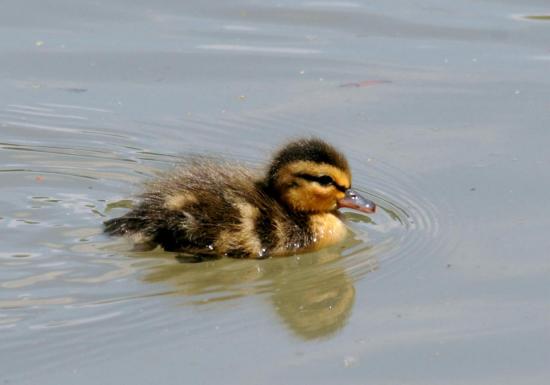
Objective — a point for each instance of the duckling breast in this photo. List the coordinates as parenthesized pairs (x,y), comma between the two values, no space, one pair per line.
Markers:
(327,229)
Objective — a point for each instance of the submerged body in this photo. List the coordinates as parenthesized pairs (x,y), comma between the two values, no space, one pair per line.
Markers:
(210,207)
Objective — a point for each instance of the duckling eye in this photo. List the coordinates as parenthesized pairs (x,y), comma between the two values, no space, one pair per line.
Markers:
(325,180)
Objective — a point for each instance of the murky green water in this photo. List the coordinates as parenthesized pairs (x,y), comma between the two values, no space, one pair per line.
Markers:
(442,108)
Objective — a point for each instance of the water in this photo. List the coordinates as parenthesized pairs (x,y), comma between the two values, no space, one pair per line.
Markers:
(441,108)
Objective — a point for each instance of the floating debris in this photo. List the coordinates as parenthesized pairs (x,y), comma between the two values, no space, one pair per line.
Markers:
(538,17)
(75,90)
(365,83)
(350,361)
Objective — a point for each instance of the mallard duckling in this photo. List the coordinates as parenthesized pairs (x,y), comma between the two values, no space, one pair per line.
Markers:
(209,207)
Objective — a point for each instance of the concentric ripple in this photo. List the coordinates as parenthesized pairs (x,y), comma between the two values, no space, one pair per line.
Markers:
(60,192)
(406,231)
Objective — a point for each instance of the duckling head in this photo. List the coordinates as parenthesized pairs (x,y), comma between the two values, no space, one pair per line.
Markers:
(311,176)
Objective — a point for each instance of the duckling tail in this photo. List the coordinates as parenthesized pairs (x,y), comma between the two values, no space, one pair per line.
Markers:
(123,225)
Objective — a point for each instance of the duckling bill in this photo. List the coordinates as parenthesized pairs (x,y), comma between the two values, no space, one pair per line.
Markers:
(209,207)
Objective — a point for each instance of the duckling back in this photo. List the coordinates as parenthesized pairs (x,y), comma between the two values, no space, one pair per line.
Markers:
(212,207)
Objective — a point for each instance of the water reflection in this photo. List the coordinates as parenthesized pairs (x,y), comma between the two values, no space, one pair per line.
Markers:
(319,310)
(311,293)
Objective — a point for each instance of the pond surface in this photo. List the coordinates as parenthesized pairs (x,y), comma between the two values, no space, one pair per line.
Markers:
(443,109)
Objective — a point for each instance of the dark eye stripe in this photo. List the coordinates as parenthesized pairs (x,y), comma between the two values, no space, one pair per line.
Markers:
(324,180)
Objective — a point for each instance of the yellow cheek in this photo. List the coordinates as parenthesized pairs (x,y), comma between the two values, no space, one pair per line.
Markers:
(297,199)
(323,202)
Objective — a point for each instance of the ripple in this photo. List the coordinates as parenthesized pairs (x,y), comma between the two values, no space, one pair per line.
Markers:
(80,185)
(407,230)
(258,49)
(29,281)
(30,303)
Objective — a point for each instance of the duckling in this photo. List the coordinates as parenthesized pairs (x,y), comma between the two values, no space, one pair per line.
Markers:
(214,208)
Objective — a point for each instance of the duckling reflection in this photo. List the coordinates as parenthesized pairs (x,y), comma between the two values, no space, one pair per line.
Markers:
(318,310)
(311,293)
